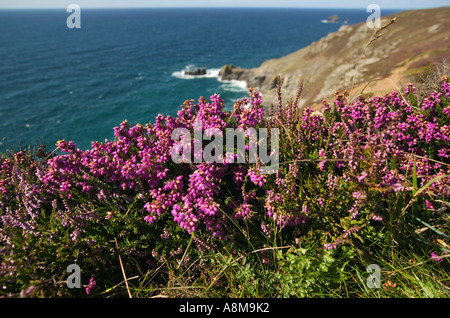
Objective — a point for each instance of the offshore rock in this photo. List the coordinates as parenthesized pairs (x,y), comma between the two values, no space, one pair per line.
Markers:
(196,72)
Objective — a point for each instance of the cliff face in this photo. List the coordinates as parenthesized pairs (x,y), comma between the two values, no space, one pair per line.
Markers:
(415,41)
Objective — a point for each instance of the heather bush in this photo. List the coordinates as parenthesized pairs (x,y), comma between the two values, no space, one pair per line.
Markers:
(358,177)
(116,189)
(345,166)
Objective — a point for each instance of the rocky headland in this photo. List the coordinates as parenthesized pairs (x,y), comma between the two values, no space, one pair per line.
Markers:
(416,42)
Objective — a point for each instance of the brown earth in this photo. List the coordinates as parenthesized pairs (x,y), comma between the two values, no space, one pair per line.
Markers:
(415,42)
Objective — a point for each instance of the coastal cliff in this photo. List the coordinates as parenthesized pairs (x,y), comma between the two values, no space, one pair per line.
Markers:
(413,44)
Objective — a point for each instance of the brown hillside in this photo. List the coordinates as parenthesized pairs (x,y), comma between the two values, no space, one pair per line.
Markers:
(416,41)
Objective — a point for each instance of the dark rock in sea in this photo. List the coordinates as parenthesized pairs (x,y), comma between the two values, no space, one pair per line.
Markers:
(196,72)
(333,19)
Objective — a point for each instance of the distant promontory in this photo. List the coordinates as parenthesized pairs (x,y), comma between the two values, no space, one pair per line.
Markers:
(418,40)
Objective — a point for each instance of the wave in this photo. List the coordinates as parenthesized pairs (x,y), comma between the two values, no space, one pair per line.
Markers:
(233,86)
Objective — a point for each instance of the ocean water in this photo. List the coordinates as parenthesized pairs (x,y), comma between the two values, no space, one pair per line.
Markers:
(77,84)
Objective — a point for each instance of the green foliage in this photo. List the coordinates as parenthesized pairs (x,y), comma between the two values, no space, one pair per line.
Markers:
(309,272)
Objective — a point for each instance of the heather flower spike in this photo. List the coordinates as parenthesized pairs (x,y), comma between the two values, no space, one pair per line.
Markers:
(92,284)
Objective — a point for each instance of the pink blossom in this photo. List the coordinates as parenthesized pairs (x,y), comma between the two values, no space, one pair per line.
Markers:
(91,286)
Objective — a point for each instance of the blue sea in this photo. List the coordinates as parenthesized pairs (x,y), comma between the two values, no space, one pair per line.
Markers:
(77,84)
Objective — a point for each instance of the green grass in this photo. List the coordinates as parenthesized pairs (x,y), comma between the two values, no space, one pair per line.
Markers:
(406,269)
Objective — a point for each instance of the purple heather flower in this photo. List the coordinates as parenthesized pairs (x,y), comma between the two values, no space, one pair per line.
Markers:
(322,153)
(354,211)
(446,111)
(29,292)
(362,176)
(410,88)
(359,195)
(305,209)
(91,286)
(376,218)
(320,201)
(397,187)
(436,257)
(256,177)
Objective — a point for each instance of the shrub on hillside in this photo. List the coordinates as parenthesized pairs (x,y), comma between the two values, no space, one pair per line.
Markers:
(345,172)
